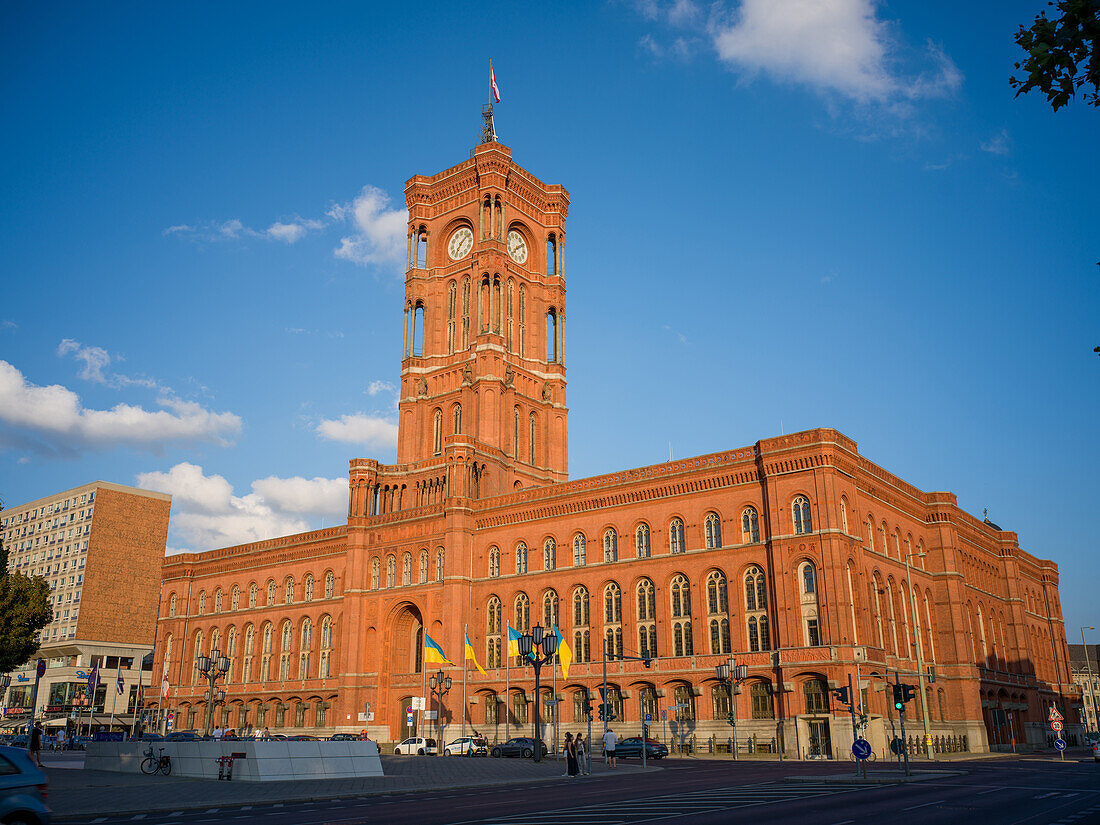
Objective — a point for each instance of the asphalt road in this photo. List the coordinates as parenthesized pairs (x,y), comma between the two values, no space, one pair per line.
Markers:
(1026,791)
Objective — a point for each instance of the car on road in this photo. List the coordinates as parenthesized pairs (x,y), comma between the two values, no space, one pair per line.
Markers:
(344,737)
(467,746)
(632,748)
(1096,751)
(302,737)
(183,736)
(416,746)
(522,746)
(22,789)
(152,737)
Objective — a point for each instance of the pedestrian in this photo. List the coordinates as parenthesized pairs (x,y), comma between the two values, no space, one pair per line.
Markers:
(35,743)
(61,739)
(267,733)
(583,764)
(217,733)
(570,755)
(609,743)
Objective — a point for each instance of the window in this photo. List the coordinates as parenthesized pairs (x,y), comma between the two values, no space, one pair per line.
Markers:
(817,696)
(684,697)
(423,566)
(809,583)
(676,536)
(750,526)
(290,590)
(756,607)
(580,552)
(218,600)
(800,509)
(437,432)
(519,708)
(613,621)
(641,541)
(549,610)
(721,702)
(456,416)
(647,619)
(844,514)
(718,613)
(532,427)
(391,570)
(235,598)
(284,653)
(491,703)
(813,633)
(494,562)
(582,640)
(647,699)
(549,555)
(610,545)
(522,613)
(202,602)
(439,559)
(761,695)
(304,648)
(326,647)
(271,593)
(252,594)
(406,568)
(713,531)
(172,605)
(265,657)
(330,585)
(521,557)
(680,592)
(375,573)
(309,587)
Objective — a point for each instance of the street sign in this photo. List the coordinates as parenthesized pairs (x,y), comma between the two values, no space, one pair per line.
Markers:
(1055,725)
(409,709)
(664,715)
(169,724)
(861,748)
(649,717)
(409,718)
(1055,716)
(1060,744)
(41,670)
(897,746)
(418,703)
(430,714)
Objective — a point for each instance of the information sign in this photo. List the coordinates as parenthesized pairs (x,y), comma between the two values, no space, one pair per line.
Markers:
(418,703)
(861,749)
(1060,744)
(649,717)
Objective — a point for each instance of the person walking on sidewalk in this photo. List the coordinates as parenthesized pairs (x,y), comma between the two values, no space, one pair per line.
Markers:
(583,764)
(35,743)
(610,740)
(61,739)
(570,755)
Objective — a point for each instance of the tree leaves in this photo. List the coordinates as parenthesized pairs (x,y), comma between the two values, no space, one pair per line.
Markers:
(24,610)
(1061,54)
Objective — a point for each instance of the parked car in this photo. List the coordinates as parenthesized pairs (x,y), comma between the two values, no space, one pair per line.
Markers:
(151,737)
(22,789)
(632,747)
(302,737)
(417,745)
(19,741)
(1096,751)
(467,746)
(183,736)
(344,737)
(522,746)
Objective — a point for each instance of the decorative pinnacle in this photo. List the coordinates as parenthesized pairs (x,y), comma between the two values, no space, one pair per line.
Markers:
(488,131)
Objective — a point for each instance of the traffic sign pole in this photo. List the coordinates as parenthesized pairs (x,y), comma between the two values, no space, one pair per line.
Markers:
(901,716)
(855,732)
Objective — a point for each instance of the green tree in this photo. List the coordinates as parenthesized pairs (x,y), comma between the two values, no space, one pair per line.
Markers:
(1061,54)
(24,610)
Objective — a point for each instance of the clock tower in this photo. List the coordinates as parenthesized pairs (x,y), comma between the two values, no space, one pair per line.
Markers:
(482,399)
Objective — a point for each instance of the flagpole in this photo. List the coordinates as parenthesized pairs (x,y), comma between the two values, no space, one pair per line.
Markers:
(465,669)
(114,702)
(423,680)
(490,95)
(507,677)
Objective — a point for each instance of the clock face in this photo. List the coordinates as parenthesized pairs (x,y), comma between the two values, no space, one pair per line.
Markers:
(462,241)
(517,247)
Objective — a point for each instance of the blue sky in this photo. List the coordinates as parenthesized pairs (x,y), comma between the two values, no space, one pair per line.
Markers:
(839,218)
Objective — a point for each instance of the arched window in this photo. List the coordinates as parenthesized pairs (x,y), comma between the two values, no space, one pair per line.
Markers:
(613,621)
(330,585)
(580,550)
(457,416)
(718,613)
(610,545)
(466,312)
(218,600)
(172,605)
(756,609)
(522,320)
(375,573)
(713,530)
(870,533)
(202,602)
(284,652)
(437,431)
(308,587)
(423,566)
(494,562)
(271,593)
(323,670)
(641,541)
(684,698)
(521,557)
(235,598)
(249,648)
(532,429)
(549,555)
(439,560)
(760,694)
(305,647)
(289,590)
(844,514)
(750,526)
(800,509)
(816,694)
(406,568)
(515,432)
(582,638)
(265,653)
(721,702)
(231,652)
(676,536)
(253,594)
(680,593)
(492,635)
(391,570)
(647,619)
(549,609)
(809,579)
(522,613)
(452,296)
(195,659)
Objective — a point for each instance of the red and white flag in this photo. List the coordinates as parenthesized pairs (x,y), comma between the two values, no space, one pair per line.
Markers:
(493,83)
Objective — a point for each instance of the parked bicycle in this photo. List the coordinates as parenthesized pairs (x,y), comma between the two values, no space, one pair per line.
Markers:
(154,764)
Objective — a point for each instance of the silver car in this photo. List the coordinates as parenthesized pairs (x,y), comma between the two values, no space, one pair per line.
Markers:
(22,789)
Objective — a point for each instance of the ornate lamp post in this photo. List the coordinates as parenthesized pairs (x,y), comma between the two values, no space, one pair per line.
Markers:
(537,648)
(439,685)
(212,668)
(732,675)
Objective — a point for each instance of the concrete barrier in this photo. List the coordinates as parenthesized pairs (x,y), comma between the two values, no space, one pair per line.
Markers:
(263,761)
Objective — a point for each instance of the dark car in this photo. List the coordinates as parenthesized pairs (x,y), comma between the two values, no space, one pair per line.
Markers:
(152,737)
(522,746)
(302,737)
(344,737)
(632,747)
(22,789)
(183,736)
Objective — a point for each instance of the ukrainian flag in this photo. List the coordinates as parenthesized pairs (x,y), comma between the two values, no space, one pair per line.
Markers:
(433,653)
(513,641)
(470,655)
(565,655)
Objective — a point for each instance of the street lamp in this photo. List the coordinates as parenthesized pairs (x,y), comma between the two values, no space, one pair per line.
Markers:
(920,662)
(212,668)
(439,685)
(732,675)
(1088,668)
(530,646)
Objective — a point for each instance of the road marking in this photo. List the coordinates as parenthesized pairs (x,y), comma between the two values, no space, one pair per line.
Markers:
(845,822)
(991,790)
(924,805)
(1045,795)
(100,819)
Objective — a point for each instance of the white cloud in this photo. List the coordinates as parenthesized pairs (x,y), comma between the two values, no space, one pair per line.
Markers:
(367,430)
(207,515)
(95,359)
(376,387)
(683,13)
(287,232)
(379,231)
(8,326)
(999,144)
(53,420)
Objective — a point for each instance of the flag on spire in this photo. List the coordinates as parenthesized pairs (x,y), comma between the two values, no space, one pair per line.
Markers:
(470,655)
(493,82)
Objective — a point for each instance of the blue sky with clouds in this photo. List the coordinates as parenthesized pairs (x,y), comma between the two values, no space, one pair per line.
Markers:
(779,220)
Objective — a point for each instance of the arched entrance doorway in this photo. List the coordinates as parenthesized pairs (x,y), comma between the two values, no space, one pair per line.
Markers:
(404,664)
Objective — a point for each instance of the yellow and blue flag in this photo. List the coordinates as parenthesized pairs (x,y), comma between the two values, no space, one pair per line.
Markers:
(565,655)
(470,655)
(433,653)
(513,641)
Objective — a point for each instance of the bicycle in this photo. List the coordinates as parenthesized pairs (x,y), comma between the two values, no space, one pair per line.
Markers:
(870,757)
(153,765)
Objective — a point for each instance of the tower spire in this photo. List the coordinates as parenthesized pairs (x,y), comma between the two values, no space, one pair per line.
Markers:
(488,131)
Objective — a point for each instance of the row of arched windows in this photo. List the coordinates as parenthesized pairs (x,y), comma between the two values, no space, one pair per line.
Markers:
(407,574)
(288,592)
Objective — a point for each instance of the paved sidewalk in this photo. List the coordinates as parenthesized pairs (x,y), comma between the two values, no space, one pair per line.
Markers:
(76,793)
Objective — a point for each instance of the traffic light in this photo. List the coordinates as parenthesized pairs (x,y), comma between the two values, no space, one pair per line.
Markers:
(841,695)
(603,716)
(899,701)
(732,719)
(588,707)
(908,692)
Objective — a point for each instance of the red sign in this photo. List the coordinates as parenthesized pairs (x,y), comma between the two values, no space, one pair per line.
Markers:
(1055,716)
(1055,726)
